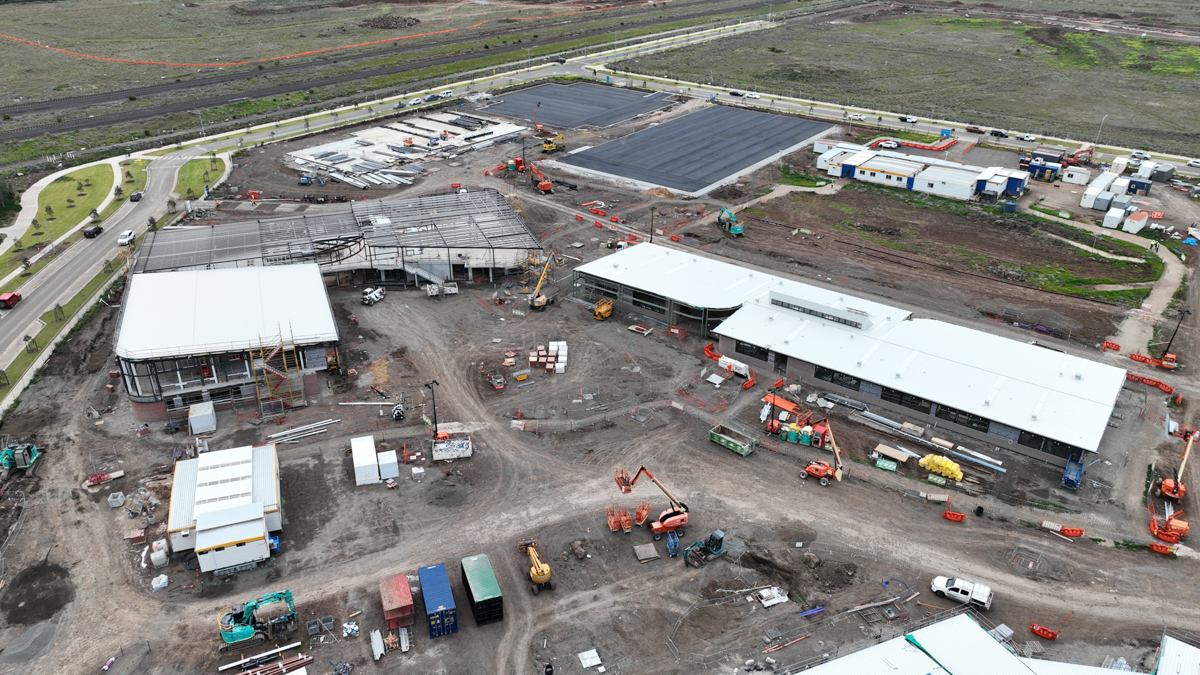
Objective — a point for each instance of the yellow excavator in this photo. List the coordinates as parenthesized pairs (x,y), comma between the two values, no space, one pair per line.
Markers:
(539,301)
(539,572)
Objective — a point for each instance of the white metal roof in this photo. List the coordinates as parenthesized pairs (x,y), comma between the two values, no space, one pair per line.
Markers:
(891,165)
(1056,395)
(209,311)
(703,282)
(363,451)
(1177,656)
(230,526)
(860,157)
(221,479)
(1043,667)
(953,176)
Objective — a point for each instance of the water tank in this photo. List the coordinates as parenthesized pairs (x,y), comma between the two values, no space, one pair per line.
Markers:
(1010,207)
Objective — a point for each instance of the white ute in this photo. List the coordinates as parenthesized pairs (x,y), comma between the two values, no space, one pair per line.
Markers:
(963,590)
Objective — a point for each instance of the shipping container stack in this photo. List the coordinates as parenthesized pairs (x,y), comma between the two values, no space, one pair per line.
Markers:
(397,602)
(483,591)
(438,600)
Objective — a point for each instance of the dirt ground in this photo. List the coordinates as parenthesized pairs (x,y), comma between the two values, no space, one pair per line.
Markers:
(544,466)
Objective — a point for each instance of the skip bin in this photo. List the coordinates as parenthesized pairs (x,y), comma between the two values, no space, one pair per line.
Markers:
(483,591)
(397,602)
(438,599)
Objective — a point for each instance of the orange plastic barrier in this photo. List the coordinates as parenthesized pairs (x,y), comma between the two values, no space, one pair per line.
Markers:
(1162,548)
(1042,631)
(711,353)
(1071,532)
(951,515)
(613,218)
(750,382)
(578,217)
(1110,345)
(782,404)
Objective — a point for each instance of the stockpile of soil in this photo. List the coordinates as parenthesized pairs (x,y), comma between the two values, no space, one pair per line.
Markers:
(390,22)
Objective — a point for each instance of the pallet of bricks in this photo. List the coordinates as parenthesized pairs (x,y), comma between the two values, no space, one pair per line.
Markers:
(552,357)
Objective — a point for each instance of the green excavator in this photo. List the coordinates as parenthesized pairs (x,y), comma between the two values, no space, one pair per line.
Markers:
(258,620)
(729,222)
(18,457)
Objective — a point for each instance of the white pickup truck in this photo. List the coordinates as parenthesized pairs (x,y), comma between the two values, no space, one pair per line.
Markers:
(963,590)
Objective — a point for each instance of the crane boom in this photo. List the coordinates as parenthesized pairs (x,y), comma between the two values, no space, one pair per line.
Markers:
(837,454)
(1186,451)
(538,301)
(626,484)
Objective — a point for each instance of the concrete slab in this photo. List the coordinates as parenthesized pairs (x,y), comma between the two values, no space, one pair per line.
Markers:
(697,152)
(577,105)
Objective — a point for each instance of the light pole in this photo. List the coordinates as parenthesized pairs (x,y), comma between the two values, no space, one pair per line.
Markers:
(1100,129)
(1167,350)
(651,224)
(203,134)
(433,393)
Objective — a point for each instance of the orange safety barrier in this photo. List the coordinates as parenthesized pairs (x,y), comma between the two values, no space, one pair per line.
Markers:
(674,237)
(782,404)
(1157,215)
(1071,532)
(1168,389)
(750,382)
(1042,631)
(599,212)
(1110,345)
(578,217)
(1162,548)
(613,218)
(708,351)
(952,515)
(599,224)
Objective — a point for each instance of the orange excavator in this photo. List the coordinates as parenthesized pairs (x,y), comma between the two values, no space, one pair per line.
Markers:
(1173,488)
(671,520)
(539,180)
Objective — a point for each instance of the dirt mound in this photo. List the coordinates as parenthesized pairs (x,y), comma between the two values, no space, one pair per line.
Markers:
(659,192)
(727,193)
(1051,36)
(536,214)
(36,594)
(390,22)
(805,572)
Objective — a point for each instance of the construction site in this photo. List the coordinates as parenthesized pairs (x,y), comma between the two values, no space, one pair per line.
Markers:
(595,396)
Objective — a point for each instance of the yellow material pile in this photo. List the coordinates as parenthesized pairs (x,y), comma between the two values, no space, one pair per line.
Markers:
(942,465)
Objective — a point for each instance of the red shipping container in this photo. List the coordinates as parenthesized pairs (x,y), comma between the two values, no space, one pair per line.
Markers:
(397,602)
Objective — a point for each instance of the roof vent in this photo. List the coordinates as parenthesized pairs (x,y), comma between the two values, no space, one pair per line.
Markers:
(987,401)
(1034,416)
(1079,376)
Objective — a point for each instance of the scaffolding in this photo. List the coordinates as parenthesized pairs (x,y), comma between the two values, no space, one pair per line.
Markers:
(277,378)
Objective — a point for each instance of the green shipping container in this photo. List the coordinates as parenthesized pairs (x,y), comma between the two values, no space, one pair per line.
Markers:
(483,591)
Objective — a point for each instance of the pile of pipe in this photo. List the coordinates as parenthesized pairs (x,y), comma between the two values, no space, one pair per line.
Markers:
(294,435)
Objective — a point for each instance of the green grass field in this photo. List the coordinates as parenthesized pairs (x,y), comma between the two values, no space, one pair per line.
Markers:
(195,175)
(133,175)
(1045,81)
(71,198)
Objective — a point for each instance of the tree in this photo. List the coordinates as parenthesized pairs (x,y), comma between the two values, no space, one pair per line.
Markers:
(17,245)
(95,214)
(25,262)
(117,191)
(49,210)
(128,176)
(152,223)
(171,206)
(7,193)
(78,186)
(191,193)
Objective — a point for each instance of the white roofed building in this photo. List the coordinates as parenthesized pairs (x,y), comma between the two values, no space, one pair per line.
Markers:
(249,335)
(1039,402)
(224,504)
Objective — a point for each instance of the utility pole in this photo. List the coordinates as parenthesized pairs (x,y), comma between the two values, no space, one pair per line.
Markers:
(203,134)
(651,224)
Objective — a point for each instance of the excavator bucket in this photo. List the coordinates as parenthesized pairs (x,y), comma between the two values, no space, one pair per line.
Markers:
(624,482)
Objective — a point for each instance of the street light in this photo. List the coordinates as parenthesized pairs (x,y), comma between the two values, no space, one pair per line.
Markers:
(1100,129)
(203,134)
(433,393)
(651,224)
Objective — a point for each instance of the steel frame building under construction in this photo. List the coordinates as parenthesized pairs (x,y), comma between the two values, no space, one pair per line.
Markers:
(450,234)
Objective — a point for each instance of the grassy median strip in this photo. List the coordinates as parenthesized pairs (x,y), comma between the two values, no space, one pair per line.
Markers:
(25,359)
(196,174)
(66,202)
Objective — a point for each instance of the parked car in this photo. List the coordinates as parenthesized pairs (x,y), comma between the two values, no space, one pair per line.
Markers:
(856,117)
(7,300)
(92,232)
(975,130)
(416,101)
(999,133)
(126,238)
(135,196)
(735,92)
(888,145)
(753,95)
(907,119)
(1028,138)
(963,590)
(1141,154)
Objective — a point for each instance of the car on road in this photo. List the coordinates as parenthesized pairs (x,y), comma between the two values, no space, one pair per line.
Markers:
(7,300)
(416,101)
(135,196)
(888,145)
(753,95)
(856,117)
(560,60)
(92,232)
(1194,163)
(735,92)
(963,590)
(1141,154)
(446,94)
(126,238)
(399,105)
(999,133)
(975,130)
(431,97)
(907,119)
(1028,138)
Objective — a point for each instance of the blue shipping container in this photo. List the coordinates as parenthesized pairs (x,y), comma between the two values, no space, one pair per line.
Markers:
(438,599)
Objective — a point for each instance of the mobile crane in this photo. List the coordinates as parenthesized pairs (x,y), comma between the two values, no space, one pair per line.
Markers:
(671,520)
(538,301)
(1173,488)
(539,572)
(257,621)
